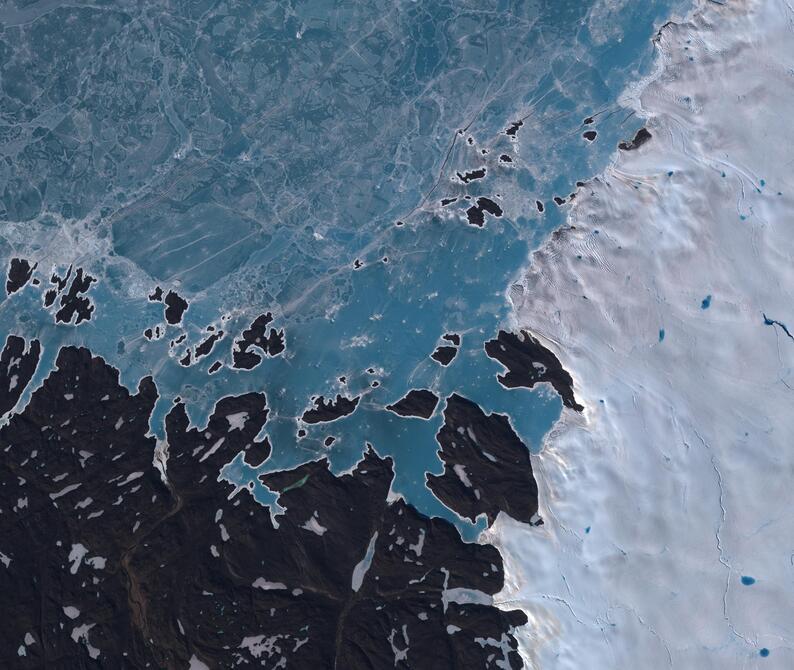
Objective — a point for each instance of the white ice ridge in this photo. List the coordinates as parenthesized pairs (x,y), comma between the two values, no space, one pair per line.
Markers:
(682,465)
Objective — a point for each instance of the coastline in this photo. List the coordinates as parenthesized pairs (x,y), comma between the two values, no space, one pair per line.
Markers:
(667,304)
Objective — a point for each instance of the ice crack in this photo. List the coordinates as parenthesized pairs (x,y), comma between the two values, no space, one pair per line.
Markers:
(718,535)
(775,322)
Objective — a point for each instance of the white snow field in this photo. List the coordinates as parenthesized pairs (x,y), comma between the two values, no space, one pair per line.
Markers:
(682,465)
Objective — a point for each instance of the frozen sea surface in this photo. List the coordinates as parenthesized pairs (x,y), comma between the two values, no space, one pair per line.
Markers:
(258,157)
(669,542)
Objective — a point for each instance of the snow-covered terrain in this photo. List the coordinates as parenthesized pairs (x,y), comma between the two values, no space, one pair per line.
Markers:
(669,504)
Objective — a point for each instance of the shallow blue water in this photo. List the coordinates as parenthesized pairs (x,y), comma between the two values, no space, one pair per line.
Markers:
(249,154)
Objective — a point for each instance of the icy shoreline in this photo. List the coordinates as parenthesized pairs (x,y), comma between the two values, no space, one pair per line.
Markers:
(667,304)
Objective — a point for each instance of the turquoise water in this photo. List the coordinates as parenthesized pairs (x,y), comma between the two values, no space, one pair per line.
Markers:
(248,155)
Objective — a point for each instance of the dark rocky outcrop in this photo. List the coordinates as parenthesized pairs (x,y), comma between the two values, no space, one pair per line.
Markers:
(487,469)
(110,562)
(419,403)
(528,363)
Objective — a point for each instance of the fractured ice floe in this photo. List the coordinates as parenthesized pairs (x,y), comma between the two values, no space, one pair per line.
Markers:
(675,482)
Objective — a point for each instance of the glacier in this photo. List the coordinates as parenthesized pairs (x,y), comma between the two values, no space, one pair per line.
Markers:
(668,539)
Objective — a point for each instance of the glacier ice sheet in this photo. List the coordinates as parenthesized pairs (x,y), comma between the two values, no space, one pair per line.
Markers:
(668,541)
